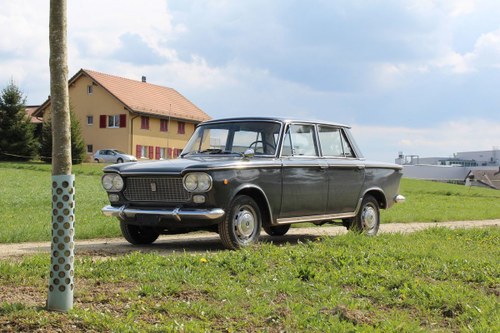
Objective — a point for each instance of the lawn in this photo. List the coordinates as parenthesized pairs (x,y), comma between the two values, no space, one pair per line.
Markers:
(25,196)
(436,280)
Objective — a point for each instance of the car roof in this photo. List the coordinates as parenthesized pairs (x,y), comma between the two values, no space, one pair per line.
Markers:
(276,119)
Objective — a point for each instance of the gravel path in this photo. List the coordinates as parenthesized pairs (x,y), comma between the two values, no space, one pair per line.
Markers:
(206,242)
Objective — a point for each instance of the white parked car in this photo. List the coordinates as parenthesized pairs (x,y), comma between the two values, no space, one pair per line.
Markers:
(113,156)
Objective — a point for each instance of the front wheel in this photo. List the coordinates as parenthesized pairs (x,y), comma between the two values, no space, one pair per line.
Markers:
(367,221)
(138,235)
(119,160)
(241,226)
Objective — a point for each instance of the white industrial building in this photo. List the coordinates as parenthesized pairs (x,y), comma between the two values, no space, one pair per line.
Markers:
(479,168)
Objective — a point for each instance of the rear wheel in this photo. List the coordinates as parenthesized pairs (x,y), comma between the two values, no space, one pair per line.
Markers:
(138,235)
(278,230)
(241,226)
(368,219)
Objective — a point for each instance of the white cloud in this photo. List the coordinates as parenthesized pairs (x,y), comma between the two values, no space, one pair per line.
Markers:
(441,140)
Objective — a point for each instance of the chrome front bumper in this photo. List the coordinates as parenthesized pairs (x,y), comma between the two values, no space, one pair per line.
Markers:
(177,213)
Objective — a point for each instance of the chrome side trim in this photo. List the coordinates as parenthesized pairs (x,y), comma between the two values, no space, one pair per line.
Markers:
(399,198)
(312,218)
(177,213)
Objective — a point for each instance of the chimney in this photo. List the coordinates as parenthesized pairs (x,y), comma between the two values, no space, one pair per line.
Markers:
(143,79)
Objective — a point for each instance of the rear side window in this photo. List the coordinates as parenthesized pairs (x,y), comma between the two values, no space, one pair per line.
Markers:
(299,141)
(334,142)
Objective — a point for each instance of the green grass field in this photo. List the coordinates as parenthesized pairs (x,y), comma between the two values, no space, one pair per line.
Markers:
(437,280)
(25,203)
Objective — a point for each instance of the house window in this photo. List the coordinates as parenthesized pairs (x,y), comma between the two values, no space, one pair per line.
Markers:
(90,149)
(90,89)
(90,120)
(181,127)
(163,125)
(114,121)
(161,153)
(144,122)
(145,152)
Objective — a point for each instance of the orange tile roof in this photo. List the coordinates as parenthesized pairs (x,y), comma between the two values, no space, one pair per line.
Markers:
(29,112)
(147,98)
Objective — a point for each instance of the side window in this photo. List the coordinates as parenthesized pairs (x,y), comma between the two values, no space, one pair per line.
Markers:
(330,139)
(299,141)
(348,152)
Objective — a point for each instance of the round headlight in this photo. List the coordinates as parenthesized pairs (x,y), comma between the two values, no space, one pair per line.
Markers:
(197,182)
(107,181)
(191,182)
(204,182)
(118,183)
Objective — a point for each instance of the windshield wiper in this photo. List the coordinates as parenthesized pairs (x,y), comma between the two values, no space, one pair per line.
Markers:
(211,151)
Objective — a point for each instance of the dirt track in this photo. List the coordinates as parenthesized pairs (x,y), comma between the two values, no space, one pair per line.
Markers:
(203,242)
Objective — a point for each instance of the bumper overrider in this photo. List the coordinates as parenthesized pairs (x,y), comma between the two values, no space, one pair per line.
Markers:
(178,213)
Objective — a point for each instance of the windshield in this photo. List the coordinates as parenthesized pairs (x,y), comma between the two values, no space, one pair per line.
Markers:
(234,138)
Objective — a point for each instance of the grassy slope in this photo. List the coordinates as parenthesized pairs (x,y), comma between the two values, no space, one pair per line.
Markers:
(436,280)
(25,203)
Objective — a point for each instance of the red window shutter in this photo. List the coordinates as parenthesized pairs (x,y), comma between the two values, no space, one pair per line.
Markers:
(158,153)
(138,151)
(123,120)
(169,152)
(164,125)
(102,121)
(181,127)
(151,152)
(144,122)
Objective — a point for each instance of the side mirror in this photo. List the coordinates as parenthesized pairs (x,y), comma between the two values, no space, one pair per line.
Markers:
(249,153)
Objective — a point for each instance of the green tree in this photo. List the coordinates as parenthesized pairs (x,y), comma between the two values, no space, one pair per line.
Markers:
(77,143)
(17,141)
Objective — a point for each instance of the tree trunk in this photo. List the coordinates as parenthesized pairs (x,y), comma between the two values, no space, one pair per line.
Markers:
(61,134)
(61,281)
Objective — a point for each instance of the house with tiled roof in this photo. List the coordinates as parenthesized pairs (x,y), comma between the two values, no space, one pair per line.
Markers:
(136,117)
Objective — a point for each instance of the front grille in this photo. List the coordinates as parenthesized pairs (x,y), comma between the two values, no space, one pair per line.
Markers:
(162,189)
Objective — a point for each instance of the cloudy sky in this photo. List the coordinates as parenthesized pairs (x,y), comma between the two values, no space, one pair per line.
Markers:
(417,76)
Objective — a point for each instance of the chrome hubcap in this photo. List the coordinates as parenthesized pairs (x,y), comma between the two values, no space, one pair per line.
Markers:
(369,218)
(245,223)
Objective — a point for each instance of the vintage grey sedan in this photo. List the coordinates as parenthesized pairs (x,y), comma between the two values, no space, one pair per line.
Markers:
(240,175)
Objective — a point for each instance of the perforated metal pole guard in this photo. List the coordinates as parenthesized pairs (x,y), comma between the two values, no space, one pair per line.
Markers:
(61,281)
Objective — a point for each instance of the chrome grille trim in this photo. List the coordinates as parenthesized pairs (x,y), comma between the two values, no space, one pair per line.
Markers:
(155,189)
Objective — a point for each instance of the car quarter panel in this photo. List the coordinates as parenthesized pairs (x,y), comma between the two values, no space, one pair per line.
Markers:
(384,177)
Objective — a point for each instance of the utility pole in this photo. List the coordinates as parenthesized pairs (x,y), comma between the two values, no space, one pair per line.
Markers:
(61,281)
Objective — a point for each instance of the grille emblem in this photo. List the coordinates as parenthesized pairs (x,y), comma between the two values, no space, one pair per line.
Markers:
(153,187)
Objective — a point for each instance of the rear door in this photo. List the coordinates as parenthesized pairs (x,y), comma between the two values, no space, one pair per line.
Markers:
(346,173)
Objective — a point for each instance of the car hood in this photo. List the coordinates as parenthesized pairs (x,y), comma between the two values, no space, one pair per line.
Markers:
(183,165)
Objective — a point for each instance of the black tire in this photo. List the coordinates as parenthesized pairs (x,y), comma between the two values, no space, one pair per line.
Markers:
(278,230)
(119,160)
(96,160)
(138,235)
(367,221)
(241,226)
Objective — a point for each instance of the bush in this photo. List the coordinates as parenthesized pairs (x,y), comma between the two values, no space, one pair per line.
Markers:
(77,143)
(17,141)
